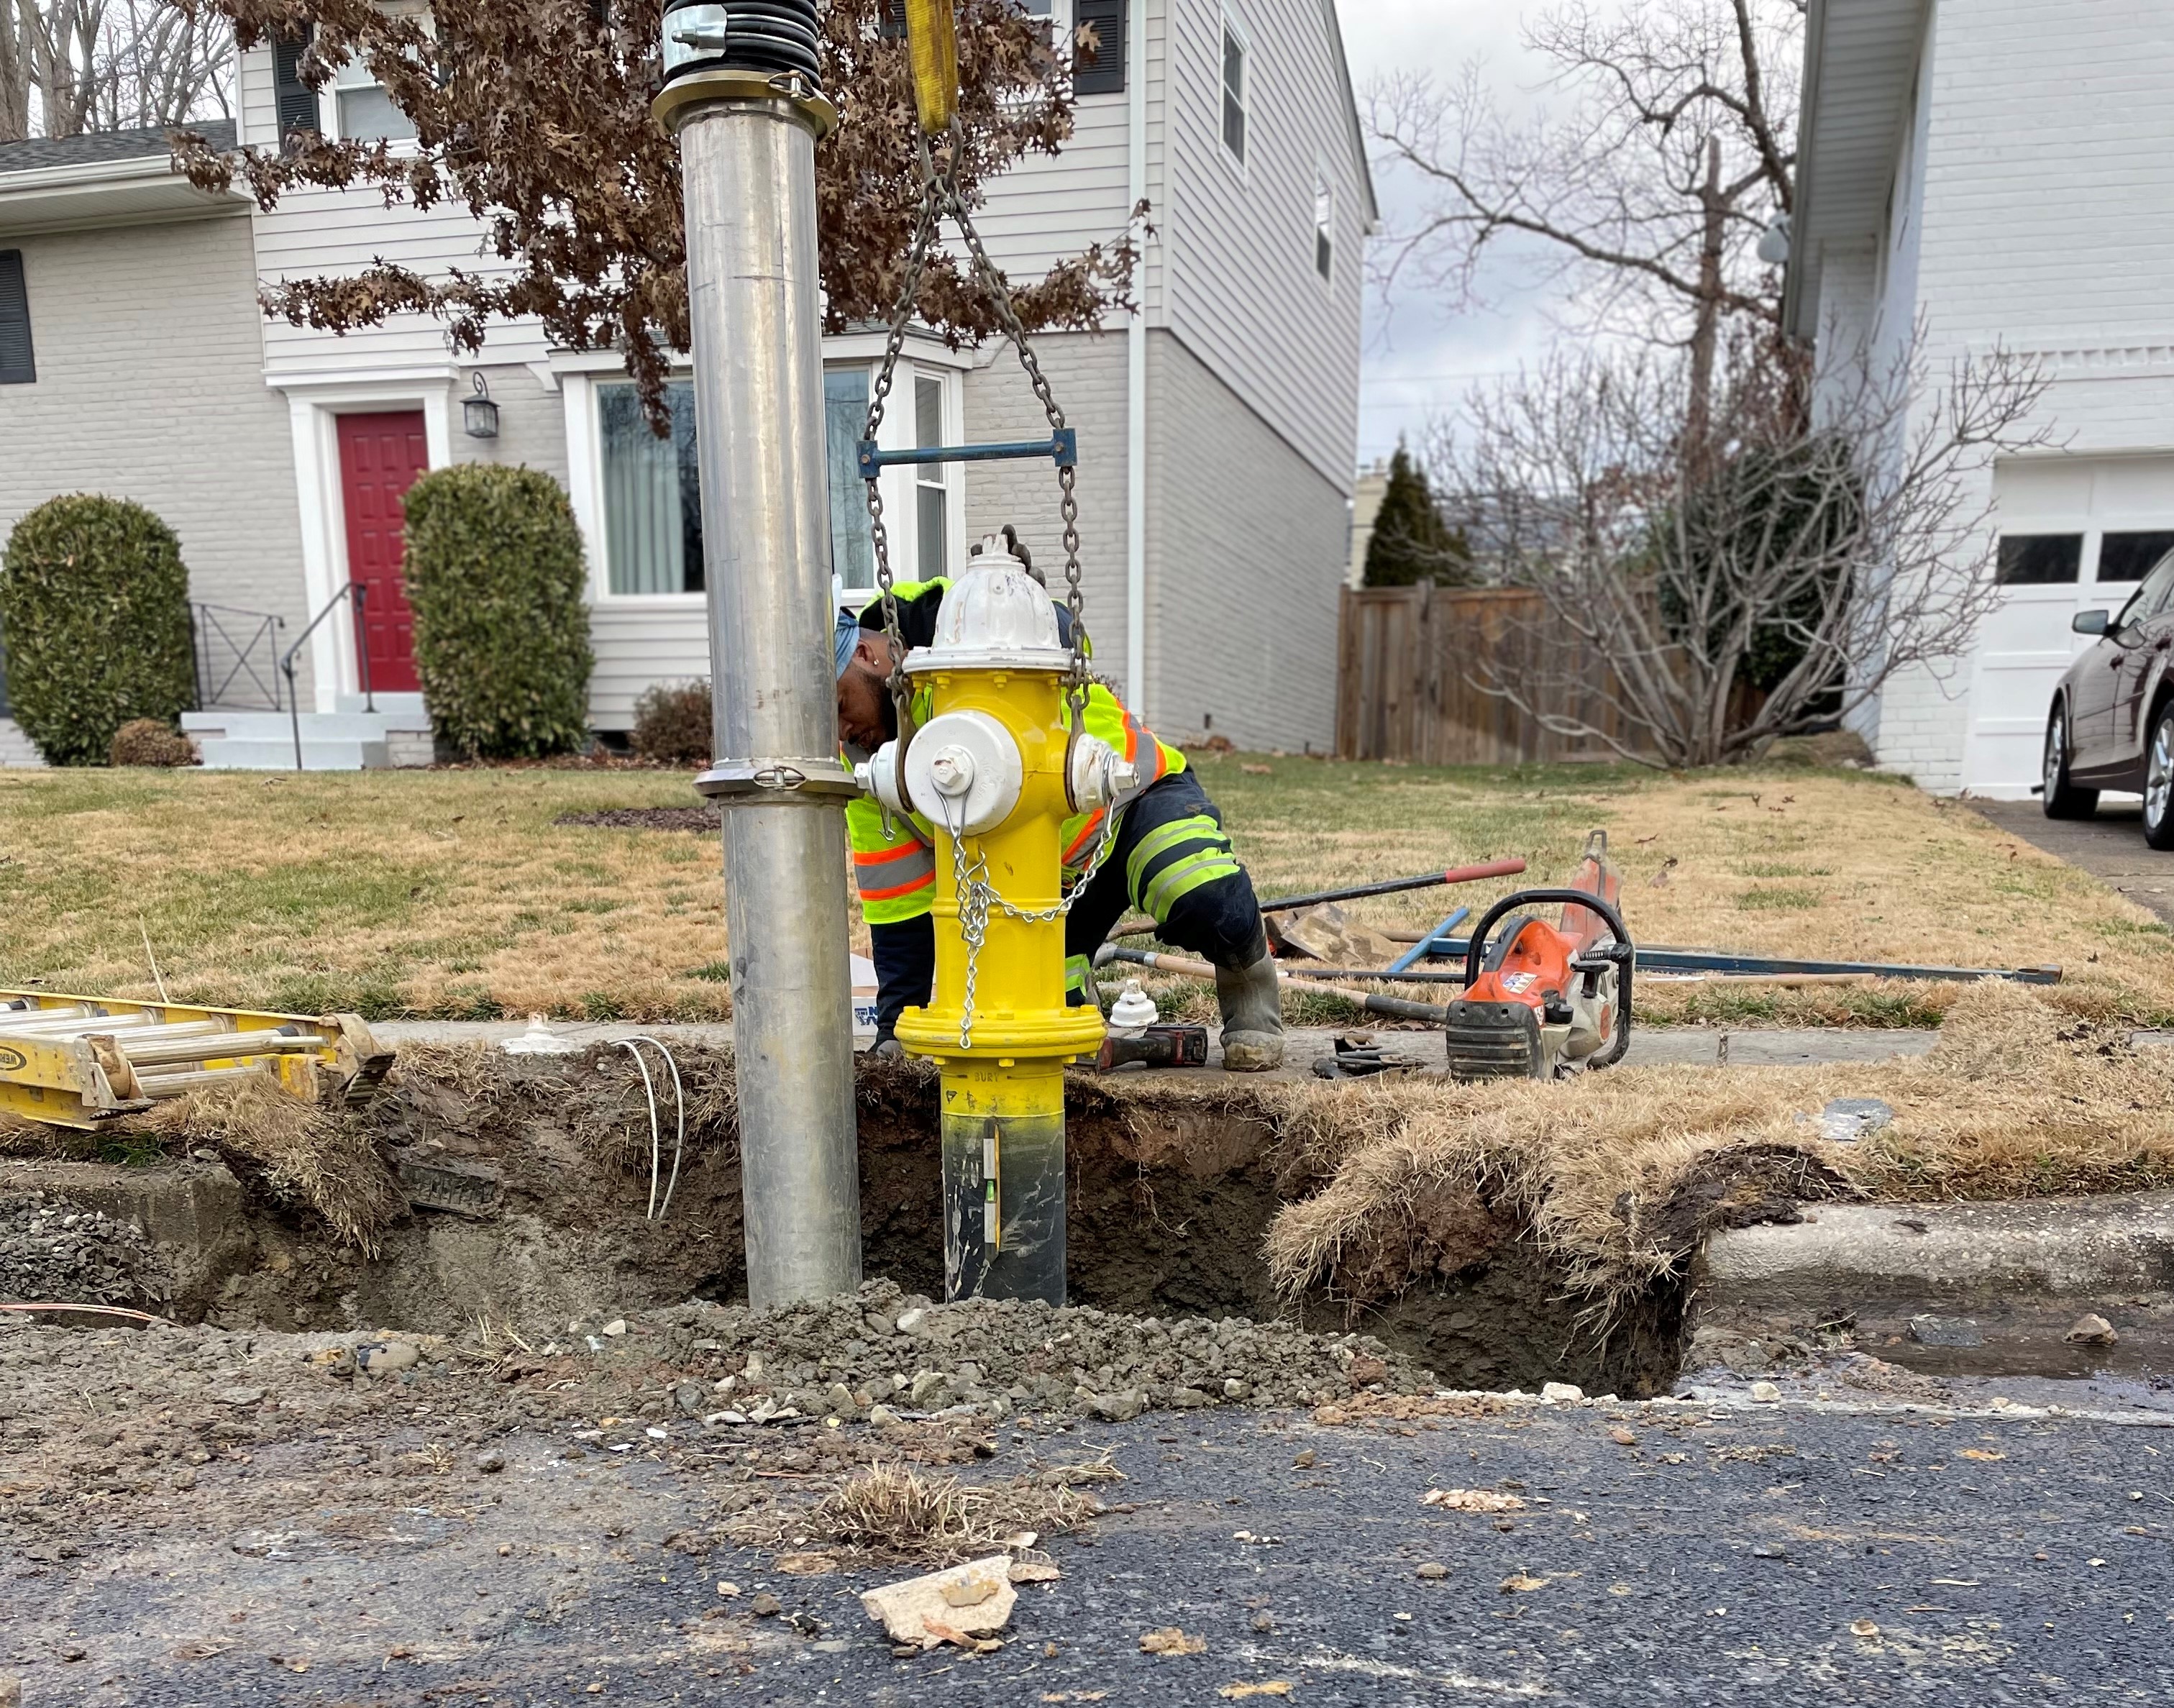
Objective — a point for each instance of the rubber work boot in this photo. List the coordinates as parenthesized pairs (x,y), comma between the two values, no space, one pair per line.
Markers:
(1251,1001)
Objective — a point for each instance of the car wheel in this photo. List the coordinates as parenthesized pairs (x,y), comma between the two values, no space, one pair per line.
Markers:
(2158,779)
(2063,798)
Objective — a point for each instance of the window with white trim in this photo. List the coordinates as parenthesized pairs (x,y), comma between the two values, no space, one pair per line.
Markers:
(931,481)
(1234,90)
(653,493)
(845,415)
(1324,224)
(363,112)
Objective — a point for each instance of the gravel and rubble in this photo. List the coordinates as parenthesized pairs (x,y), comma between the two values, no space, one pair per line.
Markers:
(52,1248)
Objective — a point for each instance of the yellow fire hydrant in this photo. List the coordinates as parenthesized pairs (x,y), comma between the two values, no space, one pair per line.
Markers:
(995,771)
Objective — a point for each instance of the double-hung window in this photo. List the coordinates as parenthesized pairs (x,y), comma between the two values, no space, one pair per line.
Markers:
(1234,90)
(363,112)
(653,493)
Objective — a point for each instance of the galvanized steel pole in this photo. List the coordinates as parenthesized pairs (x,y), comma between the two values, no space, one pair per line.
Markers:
(747,131)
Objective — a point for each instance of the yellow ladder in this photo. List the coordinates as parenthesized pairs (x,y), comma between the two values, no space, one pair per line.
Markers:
(79,1061)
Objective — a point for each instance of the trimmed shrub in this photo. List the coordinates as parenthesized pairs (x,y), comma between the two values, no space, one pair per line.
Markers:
(672,724)
(495,575)
(144,740)
(95,614)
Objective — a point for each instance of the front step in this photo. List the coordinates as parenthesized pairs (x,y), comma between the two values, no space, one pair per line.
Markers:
(228,755)
(347,740)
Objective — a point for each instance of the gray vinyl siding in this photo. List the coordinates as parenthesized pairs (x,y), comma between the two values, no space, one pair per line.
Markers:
(1243,292)
(1246,543)
(150,387)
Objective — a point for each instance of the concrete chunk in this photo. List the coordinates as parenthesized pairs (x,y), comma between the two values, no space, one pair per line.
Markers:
(974,1599)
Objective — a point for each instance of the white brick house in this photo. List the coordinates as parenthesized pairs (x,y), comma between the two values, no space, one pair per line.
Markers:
(2001,172)
(1217,429)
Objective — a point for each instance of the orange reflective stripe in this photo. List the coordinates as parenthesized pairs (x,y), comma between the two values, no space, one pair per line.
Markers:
(891,895)
(1086,834)
(883,857)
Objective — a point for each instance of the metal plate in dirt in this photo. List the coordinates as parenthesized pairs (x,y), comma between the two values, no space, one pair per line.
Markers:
(445,1183)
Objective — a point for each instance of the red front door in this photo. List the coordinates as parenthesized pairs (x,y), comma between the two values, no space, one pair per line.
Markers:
(380,457)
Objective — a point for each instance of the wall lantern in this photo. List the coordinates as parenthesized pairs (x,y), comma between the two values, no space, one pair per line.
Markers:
(478,414)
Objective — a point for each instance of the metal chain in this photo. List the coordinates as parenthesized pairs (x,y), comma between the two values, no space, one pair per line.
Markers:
(940,195)
(974,893)
(924,239)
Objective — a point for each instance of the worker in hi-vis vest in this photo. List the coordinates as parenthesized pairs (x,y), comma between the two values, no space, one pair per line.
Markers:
(1170,857)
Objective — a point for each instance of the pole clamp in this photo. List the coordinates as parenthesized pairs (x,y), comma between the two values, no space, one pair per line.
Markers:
(744,783)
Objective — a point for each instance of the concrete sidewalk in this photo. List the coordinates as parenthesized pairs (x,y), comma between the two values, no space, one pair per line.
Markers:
(1699,1045)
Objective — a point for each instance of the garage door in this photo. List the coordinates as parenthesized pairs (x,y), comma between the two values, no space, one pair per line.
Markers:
(2076,534)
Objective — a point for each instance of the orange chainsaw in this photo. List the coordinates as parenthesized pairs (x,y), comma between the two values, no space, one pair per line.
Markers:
(1544,1001)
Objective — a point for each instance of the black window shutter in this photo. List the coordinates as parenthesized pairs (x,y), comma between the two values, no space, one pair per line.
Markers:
(295,101)
(1098,47)
(16,366)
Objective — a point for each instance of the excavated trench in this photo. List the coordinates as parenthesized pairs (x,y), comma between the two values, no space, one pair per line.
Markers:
(529,1187)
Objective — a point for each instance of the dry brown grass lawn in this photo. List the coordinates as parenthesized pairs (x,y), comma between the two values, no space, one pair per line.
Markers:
(456,893)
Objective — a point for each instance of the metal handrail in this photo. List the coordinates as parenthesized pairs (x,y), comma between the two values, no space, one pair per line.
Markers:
(204,622)
(359,594)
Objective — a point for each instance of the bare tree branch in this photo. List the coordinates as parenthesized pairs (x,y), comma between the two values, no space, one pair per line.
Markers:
(1642,188)
(1771,585)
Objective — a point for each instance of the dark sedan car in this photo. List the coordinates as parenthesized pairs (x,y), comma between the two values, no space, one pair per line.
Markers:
(2113,722)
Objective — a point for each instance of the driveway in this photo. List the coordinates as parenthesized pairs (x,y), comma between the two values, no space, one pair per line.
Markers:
(2108,846)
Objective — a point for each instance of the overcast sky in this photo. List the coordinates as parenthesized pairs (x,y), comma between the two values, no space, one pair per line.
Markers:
(1419,358)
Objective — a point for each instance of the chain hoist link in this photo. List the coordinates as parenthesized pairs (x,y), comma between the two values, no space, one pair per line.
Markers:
(932,200)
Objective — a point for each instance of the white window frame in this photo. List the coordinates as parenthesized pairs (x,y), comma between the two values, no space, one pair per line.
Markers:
(1234,29)
(351,76)
(581,376)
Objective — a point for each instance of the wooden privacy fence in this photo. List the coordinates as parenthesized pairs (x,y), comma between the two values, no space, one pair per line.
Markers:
(1406,657)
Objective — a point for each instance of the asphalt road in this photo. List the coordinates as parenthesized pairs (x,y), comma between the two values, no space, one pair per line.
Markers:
(1729,1553)
(2110,846)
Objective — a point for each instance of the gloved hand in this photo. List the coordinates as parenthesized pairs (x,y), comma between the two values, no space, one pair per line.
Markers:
(888,1049)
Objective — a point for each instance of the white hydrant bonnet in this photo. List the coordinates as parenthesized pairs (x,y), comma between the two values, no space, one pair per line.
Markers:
(994,617)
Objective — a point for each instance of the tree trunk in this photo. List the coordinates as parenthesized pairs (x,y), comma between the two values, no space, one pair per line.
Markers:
(1706,332)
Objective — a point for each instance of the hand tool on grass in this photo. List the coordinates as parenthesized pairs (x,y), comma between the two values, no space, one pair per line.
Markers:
(1751,969)
(1425,880)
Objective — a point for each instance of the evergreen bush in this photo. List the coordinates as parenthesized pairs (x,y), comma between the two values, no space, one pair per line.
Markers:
(95,615)
(1411,542)
(496,577)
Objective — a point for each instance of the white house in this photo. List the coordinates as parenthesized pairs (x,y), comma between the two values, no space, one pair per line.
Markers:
(1216,428)
(2002,172)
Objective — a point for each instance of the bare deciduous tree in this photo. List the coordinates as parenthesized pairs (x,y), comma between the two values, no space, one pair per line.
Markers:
(72,66)
(1809,564)
(1645,189)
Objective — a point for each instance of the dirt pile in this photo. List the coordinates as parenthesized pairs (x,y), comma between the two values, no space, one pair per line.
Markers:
(52,1248)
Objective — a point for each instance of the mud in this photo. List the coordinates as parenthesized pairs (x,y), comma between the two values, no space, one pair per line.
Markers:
(529,1184)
